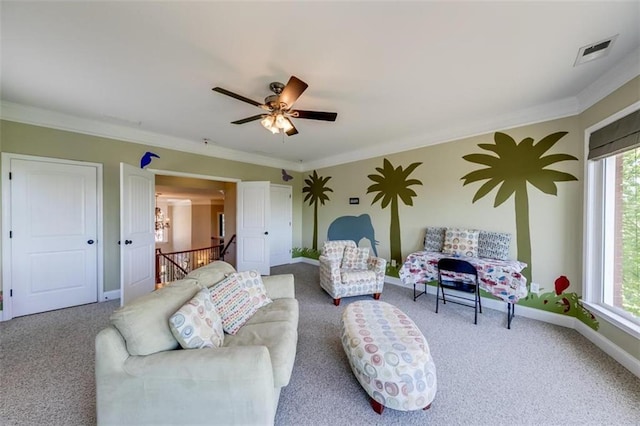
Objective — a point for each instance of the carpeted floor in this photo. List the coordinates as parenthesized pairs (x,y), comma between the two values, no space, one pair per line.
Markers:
(535,373)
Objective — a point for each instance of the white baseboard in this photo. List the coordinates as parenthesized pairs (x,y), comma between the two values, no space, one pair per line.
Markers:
(501,306)
(110,295)
(614,351)
(305,260)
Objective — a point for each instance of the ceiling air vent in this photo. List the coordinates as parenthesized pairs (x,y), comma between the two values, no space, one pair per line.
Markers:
(594,51)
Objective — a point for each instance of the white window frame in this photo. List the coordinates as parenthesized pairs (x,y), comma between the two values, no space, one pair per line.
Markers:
(595,263)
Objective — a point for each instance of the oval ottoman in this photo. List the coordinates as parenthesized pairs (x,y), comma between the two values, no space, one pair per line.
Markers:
(389,356)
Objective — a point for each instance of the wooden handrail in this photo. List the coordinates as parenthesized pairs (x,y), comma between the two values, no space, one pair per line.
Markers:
(226,248)
(175,265)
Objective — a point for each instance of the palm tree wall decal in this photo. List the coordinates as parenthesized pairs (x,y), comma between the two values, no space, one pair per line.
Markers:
(391,184)
(315,190)
(514,166)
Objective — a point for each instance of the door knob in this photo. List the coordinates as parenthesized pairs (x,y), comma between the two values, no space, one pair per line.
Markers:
(266,232)
(90,242)
(127,242)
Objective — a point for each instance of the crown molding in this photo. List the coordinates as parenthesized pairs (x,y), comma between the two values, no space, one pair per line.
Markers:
(19,113)
(616,77)
(550,111)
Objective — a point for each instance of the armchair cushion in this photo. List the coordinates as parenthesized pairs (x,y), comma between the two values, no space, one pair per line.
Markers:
(355,258)
(197,323)
(355,276)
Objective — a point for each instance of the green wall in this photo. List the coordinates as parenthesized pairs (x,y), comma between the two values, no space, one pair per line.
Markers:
(555,221)
(45,142)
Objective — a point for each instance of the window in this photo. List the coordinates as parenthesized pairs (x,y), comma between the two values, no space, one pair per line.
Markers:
(612,220)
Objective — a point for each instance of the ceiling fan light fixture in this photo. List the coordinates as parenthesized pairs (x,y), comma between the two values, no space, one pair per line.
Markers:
(268,122)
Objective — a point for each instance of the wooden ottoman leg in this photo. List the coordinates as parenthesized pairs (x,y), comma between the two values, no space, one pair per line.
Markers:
(377,407)
(427,407)
(376,296)
(336,302)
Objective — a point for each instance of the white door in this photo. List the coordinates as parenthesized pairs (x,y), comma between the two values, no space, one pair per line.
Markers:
(280,233)
(137,233)
(252,229)
(53,235)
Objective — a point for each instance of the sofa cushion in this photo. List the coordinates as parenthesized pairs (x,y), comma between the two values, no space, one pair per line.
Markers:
(461,242)
(252,283)
(280,338)
(279,310)
(233,303)
(355,258)
(494,245)
(197,324)
(144,323)
(434,238)
(211,273)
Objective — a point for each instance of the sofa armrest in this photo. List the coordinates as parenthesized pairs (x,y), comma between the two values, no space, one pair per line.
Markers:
(379,266)
(279,286)
(179,386)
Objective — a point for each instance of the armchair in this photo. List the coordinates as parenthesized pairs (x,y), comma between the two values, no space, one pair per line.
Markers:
(346,270)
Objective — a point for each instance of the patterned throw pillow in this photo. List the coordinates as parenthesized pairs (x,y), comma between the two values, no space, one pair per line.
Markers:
(461,242)
(252,283)
(434,238)
(197,323)
(233,303)
(355,258)
(494,245)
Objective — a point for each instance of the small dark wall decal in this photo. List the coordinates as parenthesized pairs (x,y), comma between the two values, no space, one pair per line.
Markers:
(285,176)
(147,158)
(354,200)
(353,228)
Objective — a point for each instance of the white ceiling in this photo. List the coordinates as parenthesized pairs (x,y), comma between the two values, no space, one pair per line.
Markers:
(399,74)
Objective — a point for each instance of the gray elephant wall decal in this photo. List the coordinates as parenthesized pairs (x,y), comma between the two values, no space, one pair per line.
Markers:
(353,228)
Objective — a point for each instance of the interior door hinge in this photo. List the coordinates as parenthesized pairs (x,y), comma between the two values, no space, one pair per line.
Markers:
(11,293)
(10,176)
(10,234)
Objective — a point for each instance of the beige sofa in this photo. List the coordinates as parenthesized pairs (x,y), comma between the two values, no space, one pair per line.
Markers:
(143,377)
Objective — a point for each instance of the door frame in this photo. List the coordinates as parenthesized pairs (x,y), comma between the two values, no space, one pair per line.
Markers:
(290,205)
(7,312)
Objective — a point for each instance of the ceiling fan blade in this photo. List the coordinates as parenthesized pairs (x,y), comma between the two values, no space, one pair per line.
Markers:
(315,115)
(293,130)
(248,119)
(292,91)
(236,96)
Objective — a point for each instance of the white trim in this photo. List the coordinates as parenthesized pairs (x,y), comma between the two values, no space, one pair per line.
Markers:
(499,305)
(7,312)
(192,175)
(614,351)
(303,259)
(611,316)
(41,117)
(622,73)
(110,295)
(616,77)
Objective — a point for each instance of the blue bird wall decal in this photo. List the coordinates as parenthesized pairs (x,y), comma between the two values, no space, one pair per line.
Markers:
(146,159)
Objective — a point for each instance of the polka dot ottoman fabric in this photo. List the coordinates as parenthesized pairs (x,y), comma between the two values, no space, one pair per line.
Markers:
(388,355)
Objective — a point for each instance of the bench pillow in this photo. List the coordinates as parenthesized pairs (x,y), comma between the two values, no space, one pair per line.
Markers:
(494,245)
(434,238)
(461,242)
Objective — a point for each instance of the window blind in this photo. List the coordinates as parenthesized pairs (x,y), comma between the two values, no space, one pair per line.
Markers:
(621,135)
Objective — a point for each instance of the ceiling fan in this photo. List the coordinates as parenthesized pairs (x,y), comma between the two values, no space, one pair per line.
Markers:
(278,107)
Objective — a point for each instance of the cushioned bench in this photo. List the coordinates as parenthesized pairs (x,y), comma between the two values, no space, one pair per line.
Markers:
(389,356)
